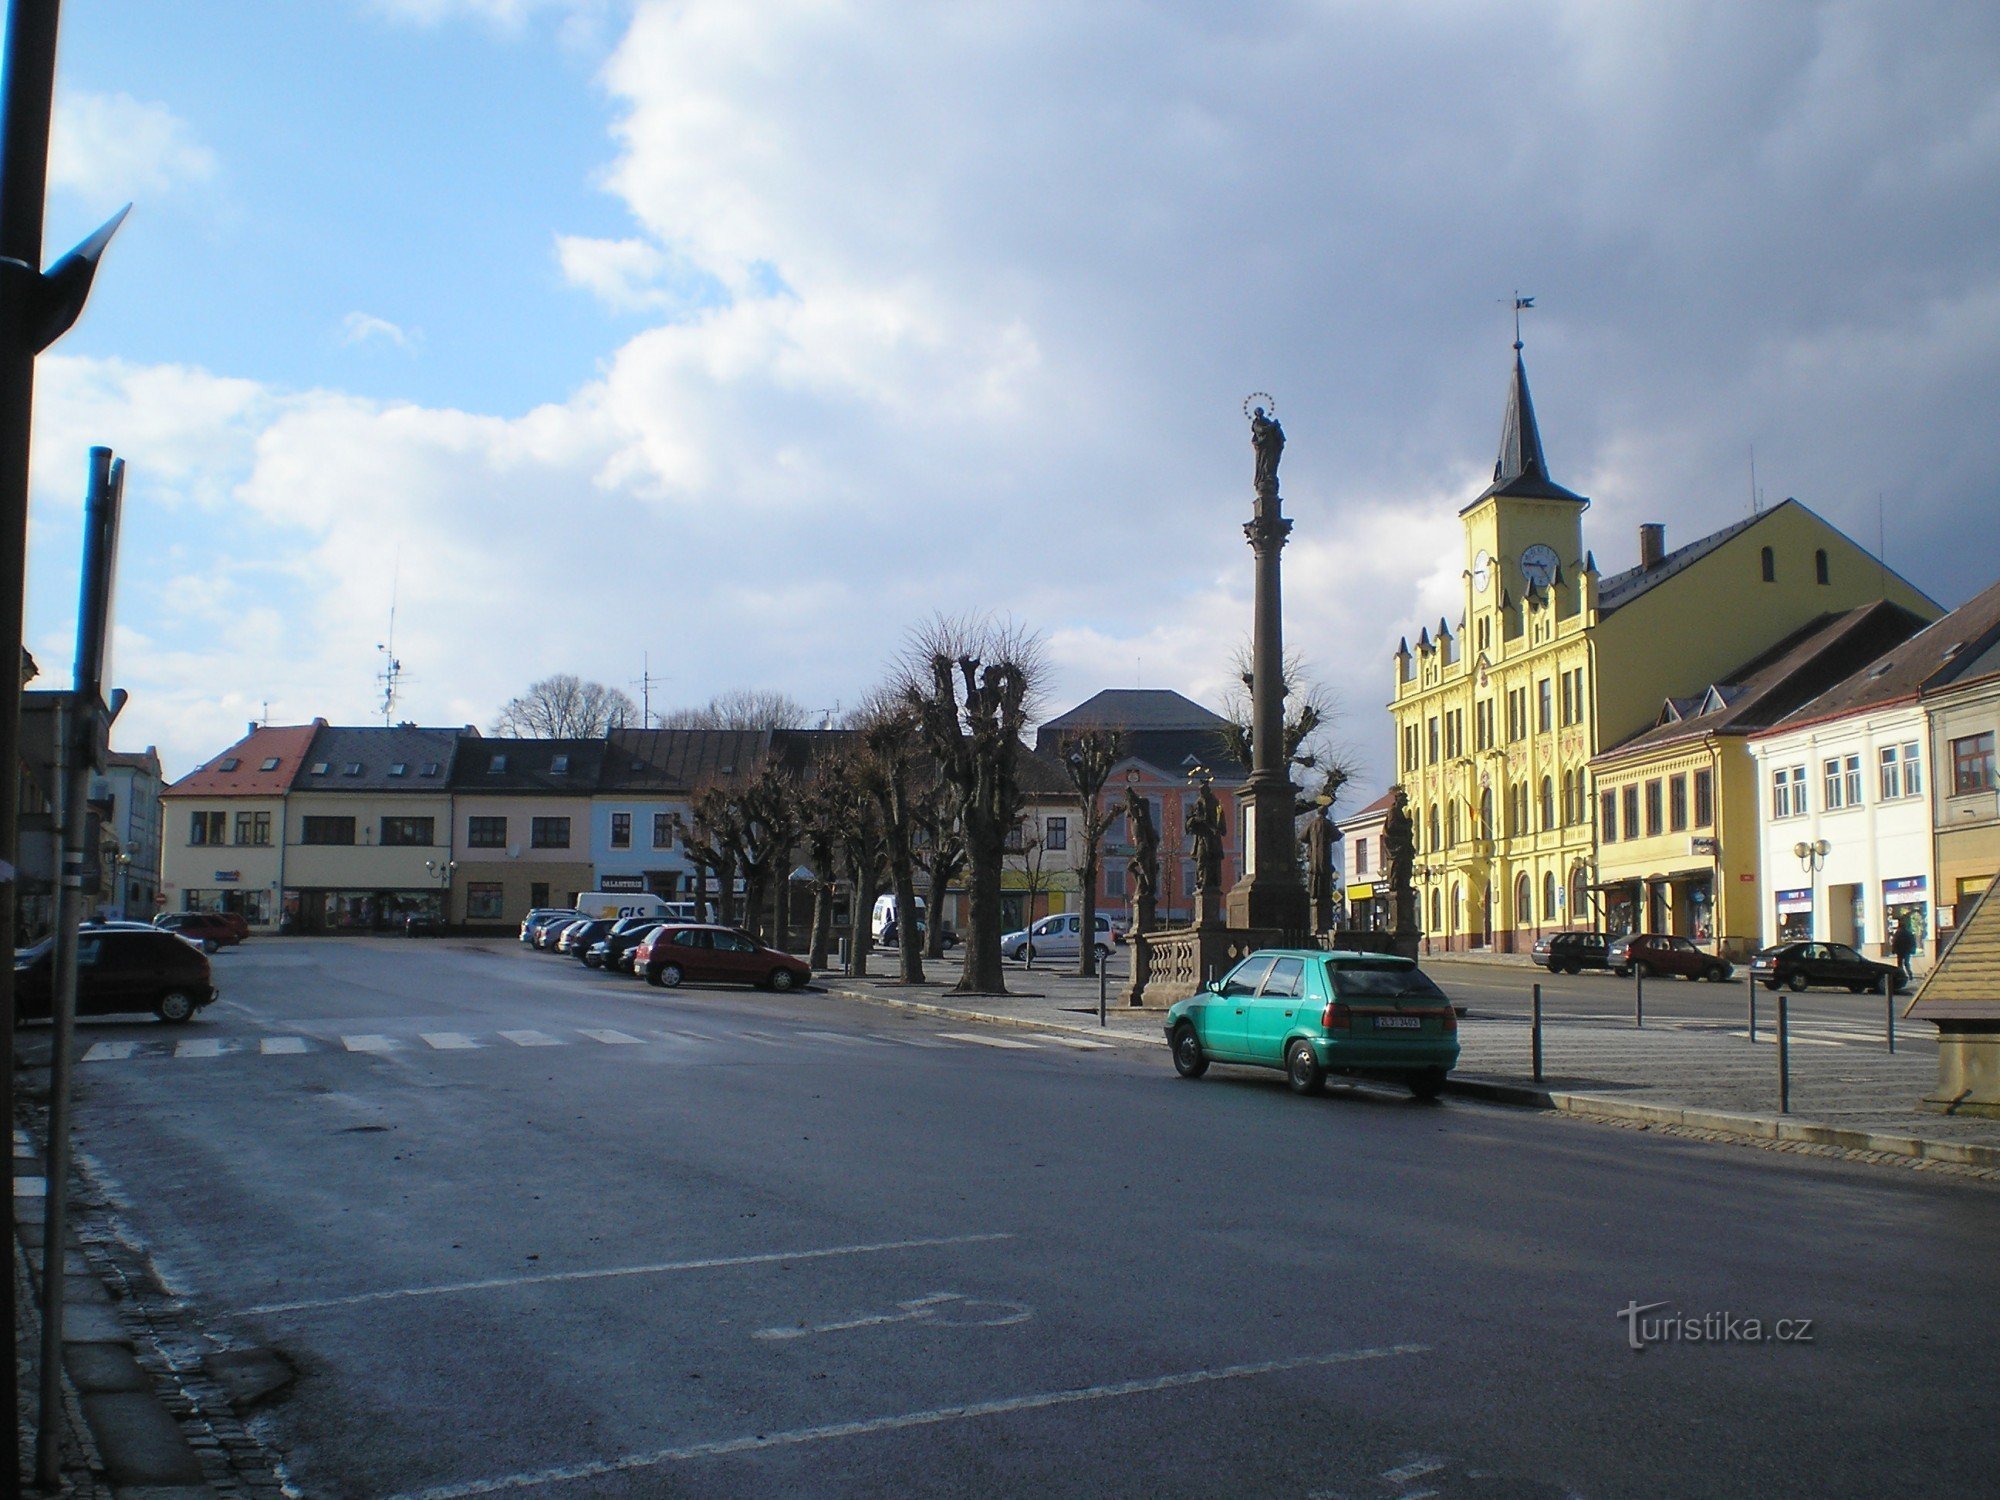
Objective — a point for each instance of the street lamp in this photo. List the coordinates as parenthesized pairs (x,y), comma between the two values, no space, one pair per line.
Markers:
(441,871)
(1812,856)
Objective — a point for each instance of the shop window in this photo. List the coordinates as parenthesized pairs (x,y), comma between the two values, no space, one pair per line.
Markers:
(484,902)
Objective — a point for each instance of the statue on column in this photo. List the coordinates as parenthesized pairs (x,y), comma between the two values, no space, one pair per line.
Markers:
(1267,440)
(1143,869)
(1321,834)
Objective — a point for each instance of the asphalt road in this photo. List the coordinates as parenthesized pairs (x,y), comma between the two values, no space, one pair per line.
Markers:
(530,1229)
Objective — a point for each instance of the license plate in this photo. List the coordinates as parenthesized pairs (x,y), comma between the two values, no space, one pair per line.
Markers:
(1398,1023)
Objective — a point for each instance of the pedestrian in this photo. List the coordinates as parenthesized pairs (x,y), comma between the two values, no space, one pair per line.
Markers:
(1904,945)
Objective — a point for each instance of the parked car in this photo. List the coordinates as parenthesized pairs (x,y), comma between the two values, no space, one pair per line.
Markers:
(1831,964)
(422,923)
(1571,952)
(1060,936)
(1657,953)
(706,952)
(549,934)
(533,922)
(239,922)
(1311,1013)
(119,969)
(614,950)
(578,936)
(210,928)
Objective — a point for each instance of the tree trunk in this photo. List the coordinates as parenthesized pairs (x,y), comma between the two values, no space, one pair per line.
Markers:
(983,974)
(701,893)
(822,924)
(941,873)
(725,879)
(861,919)
(1086,953)
(909,931)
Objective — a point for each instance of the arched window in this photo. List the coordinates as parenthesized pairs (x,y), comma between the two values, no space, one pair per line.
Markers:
(1579,898)
(1437,910)
(1549,896)
(1458,907)
(1820,567)
(1451,822)
(1770,566)
(1434,827)
(1548,802)
(1486,813)
(1524,903)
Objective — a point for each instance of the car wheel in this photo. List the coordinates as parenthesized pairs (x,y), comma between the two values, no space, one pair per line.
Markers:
(1554,966)
(1716,974)
(176,1007)
(1572,967)
(1427,1084)
(1882,986)
(1189,1060)
(783,979)
(669,976)
(1302,1069)
(1797,981)
(1623,973)
(1770,984)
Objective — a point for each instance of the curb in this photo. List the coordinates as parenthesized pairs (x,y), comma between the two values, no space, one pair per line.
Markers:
(1728,1122)
(1528,1096)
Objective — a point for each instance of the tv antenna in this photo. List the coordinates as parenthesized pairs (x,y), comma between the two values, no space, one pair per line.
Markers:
(390,678)
(644,684)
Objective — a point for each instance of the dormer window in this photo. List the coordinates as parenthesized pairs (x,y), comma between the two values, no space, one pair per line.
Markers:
(352,768)
(430,768)
(319,768)
(495,765)
(559,765)
(269,765)
(228,765)
(400,768)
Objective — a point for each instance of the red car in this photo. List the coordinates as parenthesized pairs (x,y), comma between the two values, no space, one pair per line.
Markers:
(703,952)
(212,929)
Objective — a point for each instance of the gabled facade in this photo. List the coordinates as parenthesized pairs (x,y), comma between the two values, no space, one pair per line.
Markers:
(1497,721)
(521,819)
(1857,792)
(644,801)
(223,847)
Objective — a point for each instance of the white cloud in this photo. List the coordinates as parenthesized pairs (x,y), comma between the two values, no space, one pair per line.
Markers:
(112,147)
(361,328)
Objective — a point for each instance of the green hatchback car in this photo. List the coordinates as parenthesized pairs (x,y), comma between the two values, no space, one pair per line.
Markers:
(1311,1013)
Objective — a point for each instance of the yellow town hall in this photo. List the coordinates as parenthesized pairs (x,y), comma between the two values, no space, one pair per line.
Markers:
(1552,662)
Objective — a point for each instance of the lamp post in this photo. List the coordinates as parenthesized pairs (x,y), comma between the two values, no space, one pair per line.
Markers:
(1812,859)
(441,871)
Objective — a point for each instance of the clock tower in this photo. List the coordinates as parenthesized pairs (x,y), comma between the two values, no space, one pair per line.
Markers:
(1524,531)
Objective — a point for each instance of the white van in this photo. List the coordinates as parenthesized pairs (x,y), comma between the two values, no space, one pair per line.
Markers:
(885,915)
(622,904)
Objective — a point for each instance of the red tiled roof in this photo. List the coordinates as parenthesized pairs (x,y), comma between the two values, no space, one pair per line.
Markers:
(239,770)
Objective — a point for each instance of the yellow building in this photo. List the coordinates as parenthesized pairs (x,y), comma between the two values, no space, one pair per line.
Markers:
(1497,722)
(1677,805)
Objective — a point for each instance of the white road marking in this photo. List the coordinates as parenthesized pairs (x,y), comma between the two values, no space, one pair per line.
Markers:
(988,1041)
(207,1046)
(912,1041)
(755,1036)
(532,1039)
(1415,1469)
(450,1041)
(110,1051)
(612,1038)
(971,1411)
(839,1036)
(371,1044)
(31,1187)
(662,1268)
(273,1045)
(1083,1042)
(932,1308)
(700,1036)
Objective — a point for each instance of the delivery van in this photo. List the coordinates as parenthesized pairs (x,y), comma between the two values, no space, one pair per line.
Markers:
(622,904)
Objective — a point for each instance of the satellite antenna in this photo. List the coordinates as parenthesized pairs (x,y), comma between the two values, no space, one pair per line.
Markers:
(391,675)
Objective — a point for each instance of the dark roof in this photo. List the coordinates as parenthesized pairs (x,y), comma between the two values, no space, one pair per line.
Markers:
(678,760)
(572,766)
(1042,775)
(1129,709)
(1949,650)
(1522,469)
(1773,683)
(379,758)
(239,770)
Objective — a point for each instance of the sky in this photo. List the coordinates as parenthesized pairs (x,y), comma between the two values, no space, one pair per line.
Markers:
(730,343)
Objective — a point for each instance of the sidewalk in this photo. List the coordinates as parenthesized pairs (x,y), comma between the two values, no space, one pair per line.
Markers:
(1847,1091)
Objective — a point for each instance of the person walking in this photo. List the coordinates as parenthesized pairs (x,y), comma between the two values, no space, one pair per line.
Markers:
(1904,945)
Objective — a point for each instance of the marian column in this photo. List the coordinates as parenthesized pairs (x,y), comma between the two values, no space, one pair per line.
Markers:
(1270,895)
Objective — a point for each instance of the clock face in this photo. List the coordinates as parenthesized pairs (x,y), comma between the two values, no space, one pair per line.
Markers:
(1482,570)
(1539,564)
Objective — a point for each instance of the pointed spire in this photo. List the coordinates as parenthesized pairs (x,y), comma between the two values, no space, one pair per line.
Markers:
(1522,468)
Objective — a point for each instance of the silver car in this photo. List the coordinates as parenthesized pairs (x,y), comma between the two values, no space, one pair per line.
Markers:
(1060,936)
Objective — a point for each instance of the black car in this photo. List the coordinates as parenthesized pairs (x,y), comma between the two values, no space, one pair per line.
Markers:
(1572,952)
(614,950)
(118,969)
(1834,965)
(578,936)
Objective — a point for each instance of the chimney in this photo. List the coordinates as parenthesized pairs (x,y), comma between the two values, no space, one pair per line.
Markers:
(253,727)
(1652,544)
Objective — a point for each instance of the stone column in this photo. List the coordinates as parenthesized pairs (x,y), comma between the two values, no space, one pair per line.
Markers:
(1270,893)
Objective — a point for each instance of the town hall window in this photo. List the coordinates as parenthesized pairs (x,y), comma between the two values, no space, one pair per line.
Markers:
(1770,566)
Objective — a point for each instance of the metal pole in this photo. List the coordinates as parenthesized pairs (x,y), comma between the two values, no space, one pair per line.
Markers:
(24,168)
(1538,1034)
(1101,981)
(1638,995)
(1752,984)
(1784,1058)
(1889,1010)
(81,722)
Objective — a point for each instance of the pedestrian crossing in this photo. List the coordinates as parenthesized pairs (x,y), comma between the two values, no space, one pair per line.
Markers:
(386,1043)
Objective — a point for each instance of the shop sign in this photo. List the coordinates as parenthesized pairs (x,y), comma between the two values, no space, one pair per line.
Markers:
(1795,901)
(621,882)
(1706,843)
(228,877)
(1912,886)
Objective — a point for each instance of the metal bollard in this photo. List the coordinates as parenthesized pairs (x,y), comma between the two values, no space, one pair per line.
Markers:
(1638,996)
(1889,1010)
(1752,981)
(1538,1034)
(1101,981)
(1784,1058)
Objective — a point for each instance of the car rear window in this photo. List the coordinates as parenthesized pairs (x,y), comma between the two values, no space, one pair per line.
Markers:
(1382,982)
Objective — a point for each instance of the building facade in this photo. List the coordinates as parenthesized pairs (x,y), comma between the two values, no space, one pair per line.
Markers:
(126,798)
(521,820)
(224,845)
(1498,720)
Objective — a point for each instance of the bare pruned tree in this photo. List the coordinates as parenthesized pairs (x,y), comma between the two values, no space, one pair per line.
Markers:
(888,727)
(744,708)
(565,707)
(972,685)
(1087,759)
(821,810)
(1319,765)
(941,851)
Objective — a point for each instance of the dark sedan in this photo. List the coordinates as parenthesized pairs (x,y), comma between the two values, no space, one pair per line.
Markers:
(614,950)
(702,952)
(1659,953)
(119,969)
(1830,965)
(1571,952)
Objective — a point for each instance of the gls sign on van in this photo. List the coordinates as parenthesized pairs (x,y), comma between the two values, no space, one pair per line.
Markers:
(621,904)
